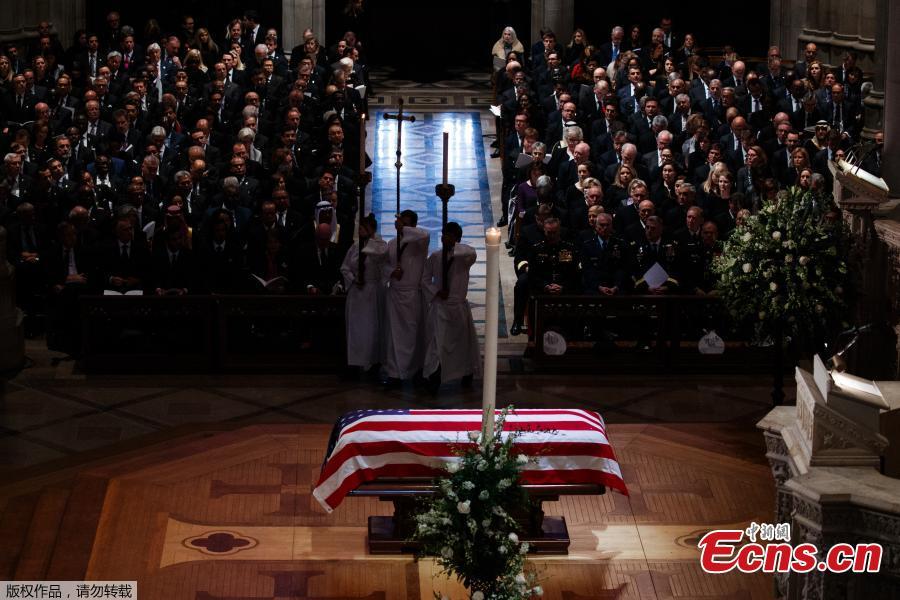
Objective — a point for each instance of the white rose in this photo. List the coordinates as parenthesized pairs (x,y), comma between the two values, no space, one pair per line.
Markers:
(486,523)
(503,484)
(482,465)
(773,286)
(464,507)
(502,550)
(788,258)
(523,548)
(804,260)
(537,590)
(468,485)
(520,578)
(776,235)
(477,595)
(521,459)
(747,237)
(746,267)
(513,537)
(452,467)
(483,495)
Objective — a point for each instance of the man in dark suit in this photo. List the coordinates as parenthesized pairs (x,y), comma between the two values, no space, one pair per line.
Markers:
(604,260)
(609,51)
(810,53)
(67,265)
(840,114)
(317,264)
(220,258)
(808,115)
(124,262)
(173,269)
(19,102)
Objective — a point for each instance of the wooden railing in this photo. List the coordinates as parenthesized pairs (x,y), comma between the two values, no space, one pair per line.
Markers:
(611,334)
(213,333)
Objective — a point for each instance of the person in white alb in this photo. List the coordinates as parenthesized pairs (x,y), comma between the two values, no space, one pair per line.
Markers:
(403,316)
(451,344)
(365,298)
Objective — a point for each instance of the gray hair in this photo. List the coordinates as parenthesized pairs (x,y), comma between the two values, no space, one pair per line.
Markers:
(151,160)
(573,133)
(246,134)
(230,182)
(114,54)
(153,46)
(261,48)
(681,97)
(249,111)
(539,147)
(10,156)
(660,121)
(182,173)
(688,187)
(158,130)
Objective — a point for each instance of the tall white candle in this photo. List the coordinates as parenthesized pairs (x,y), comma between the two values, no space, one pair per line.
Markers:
(446,154)
(491,323)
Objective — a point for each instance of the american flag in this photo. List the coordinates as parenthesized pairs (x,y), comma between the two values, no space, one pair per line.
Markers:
(570,446)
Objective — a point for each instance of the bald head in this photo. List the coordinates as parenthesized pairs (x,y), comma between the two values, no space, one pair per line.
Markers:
(323,232)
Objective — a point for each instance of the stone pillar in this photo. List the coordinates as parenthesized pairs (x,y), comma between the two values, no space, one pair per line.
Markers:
(786,20)
(297,15)
(558,15)
(19,19)
(12,326)
(891,52)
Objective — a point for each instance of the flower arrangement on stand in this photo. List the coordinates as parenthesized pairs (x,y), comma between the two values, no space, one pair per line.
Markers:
(787,267)
(785,272)
(467,526)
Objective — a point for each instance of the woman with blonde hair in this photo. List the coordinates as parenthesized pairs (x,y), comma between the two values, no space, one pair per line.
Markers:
(209,50)
(618,190)
(575,48)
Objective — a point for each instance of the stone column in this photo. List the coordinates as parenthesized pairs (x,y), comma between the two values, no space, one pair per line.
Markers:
(786,21)
(891,52)
(297,15)
(558,15)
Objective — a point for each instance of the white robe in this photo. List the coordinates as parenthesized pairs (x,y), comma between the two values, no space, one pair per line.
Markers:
(365,304)
(451,341)
(403,315)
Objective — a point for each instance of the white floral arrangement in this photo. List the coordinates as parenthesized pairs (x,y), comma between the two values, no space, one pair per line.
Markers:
(467,526)
(787,266)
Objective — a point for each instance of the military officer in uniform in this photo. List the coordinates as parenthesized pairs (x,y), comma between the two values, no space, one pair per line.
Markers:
(553,265)
(652,249)
(604,260)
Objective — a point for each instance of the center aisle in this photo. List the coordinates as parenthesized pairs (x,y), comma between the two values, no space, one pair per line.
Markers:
(421,171)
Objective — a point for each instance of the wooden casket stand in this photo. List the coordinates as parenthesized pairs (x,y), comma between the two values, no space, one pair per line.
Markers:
(391,535)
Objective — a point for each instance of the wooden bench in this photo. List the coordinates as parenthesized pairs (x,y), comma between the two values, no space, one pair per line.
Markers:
(546,535)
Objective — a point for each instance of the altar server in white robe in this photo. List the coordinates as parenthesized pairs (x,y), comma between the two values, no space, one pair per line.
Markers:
(451,342)
(365,295)
(403,311)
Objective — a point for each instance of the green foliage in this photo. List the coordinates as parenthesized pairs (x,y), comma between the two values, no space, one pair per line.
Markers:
(786,267)
(468,526)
